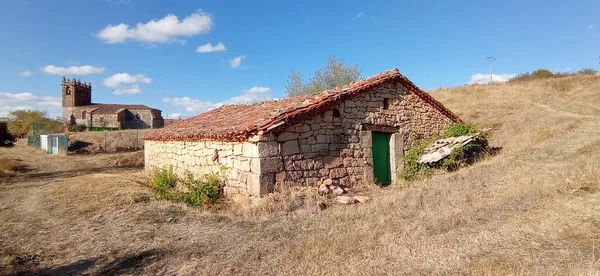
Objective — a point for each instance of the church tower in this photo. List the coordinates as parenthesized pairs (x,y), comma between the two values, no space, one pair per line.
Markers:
(74,94)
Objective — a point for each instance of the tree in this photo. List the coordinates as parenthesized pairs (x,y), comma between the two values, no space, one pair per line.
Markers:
(334,75)
(6,139)
(20,122)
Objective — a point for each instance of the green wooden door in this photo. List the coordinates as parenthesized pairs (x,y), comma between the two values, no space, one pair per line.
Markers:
(381,157)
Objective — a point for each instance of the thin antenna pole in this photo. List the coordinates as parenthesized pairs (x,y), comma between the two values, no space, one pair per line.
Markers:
(491,60)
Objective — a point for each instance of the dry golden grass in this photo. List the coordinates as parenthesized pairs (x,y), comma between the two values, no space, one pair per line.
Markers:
(533,209)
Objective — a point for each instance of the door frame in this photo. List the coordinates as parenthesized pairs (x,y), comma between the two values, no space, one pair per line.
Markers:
(396,150)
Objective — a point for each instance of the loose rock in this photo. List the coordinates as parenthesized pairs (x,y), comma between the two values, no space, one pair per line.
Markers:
(345,200)
(362,199)
(337,190)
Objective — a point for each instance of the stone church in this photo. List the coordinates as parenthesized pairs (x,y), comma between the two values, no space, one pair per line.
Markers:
(78,108)
(347,135)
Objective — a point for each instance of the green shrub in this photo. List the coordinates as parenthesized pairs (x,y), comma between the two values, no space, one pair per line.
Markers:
(200,192)
(164,179)
(459,157)
(454,130)
(411,167)
(138,197)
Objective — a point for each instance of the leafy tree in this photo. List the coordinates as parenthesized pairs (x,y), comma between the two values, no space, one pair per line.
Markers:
(335,74)
(20,122)
(6,139)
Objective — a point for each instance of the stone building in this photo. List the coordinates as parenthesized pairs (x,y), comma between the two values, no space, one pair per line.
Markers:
(352,134)
(78,108)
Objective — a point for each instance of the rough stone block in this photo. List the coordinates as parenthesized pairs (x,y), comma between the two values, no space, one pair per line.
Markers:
(305,148)
(267,183)
(250,150)
(337,173)
(322,139)
(294,175)
(287,136)
(290,147)
(245,165)
(255,165)
(271,164)
(268,149)
(332,162)
(303,128)
(319,148)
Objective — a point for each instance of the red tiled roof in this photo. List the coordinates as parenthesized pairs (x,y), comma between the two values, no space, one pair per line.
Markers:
(238,122)
(99,108)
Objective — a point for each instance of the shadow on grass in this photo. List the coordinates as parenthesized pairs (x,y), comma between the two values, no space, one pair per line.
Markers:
(131,264)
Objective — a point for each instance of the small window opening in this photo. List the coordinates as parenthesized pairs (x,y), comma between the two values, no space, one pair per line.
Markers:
(336,113)
(386,104)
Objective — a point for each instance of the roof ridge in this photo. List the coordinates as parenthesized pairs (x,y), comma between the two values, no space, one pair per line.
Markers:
(239,122)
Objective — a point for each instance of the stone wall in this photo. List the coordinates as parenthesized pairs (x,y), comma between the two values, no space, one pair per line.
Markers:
(237,162)
(337,143)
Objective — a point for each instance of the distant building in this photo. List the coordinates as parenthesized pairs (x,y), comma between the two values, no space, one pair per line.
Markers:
(78,109)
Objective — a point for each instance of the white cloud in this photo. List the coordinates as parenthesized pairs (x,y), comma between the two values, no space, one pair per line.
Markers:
(176,115)
(590,26)
(73,70)
(167,29)
(134,89)
(252,95)
(124,78)
(209,48)
(359,15)
(485,78)
(236,61)
(16,101)
(25,74)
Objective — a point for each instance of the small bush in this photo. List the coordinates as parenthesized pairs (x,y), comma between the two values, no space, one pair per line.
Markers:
(6,138)
(164,179)
(78,128)
(587,71)
(138,197)
(199,192)
(455,130)
(411,167)
(542,74)
(202,192)
(459,157)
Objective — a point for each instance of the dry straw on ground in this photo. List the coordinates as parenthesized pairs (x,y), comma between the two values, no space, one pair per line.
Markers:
(533,209)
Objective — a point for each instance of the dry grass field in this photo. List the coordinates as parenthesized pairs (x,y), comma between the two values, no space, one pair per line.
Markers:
(533,209)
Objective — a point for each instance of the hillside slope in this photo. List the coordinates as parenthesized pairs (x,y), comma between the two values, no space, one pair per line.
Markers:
(533,209)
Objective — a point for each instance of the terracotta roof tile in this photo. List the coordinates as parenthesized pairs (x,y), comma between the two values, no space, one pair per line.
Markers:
(238,122)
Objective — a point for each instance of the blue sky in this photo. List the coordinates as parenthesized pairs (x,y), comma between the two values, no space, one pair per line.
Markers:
(154,60)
